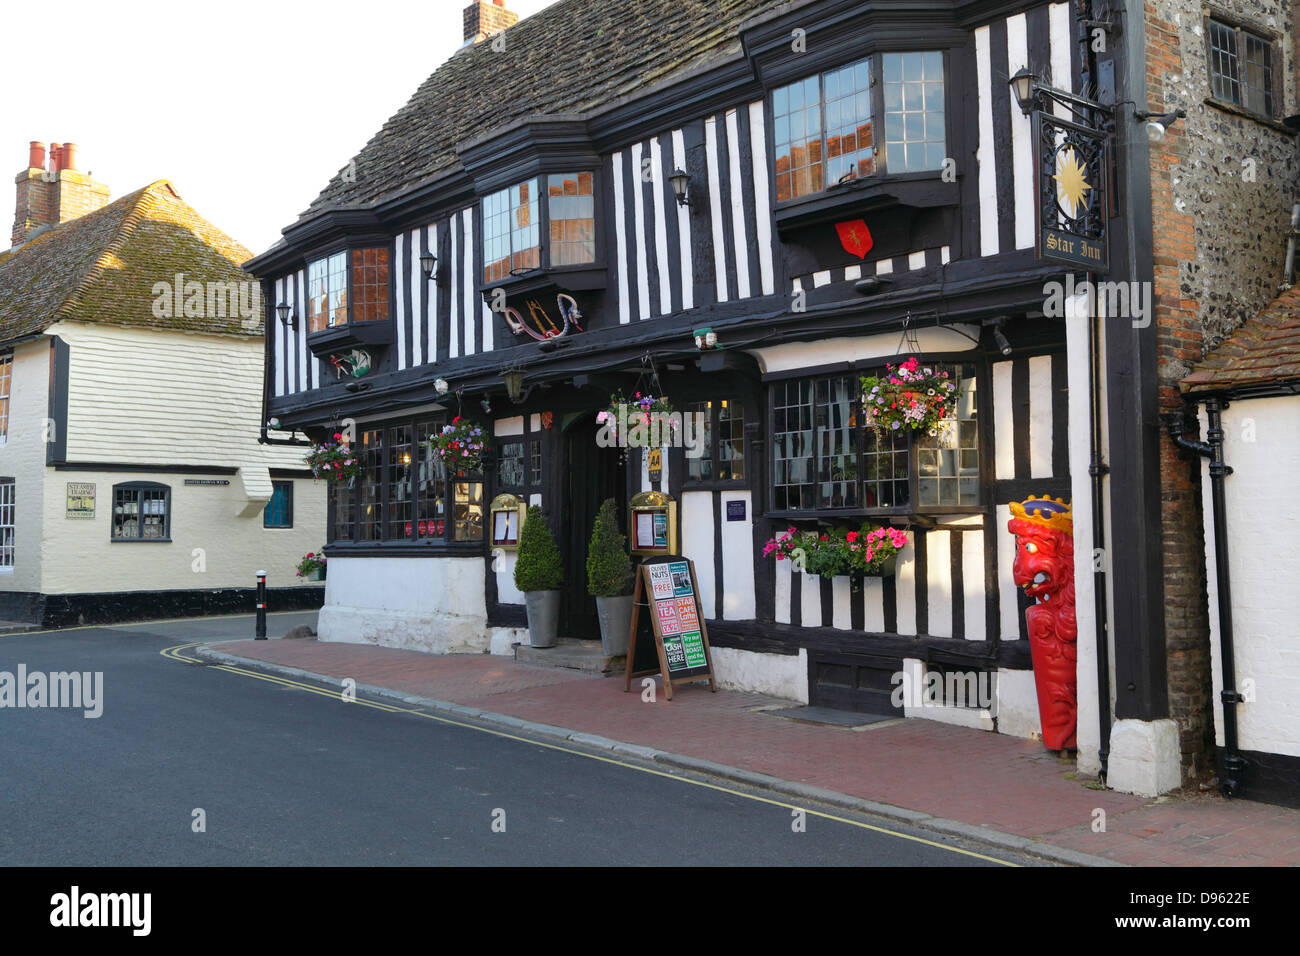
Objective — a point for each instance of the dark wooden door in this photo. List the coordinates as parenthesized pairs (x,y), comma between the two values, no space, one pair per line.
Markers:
(591,474)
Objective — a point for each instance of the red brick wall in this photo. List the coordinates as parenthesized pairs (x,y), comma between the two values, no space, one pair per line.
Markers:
(484,19)
(1179,337)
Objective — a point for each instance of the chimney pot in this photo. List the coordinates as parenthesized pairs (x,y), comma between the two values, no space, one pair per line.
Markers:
(70,156)
(36,155)
(56,157)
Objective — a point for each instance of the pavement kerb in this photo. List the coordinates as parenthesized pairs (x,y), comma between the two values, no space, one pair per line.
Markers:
(787,788)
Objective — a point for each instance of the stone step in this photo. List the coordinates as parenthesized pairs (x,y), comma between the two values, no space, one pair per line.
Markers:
(572,654)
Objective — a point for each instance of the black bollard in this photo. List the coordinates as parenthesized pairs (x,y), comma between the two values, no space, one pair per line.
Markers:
(261,606)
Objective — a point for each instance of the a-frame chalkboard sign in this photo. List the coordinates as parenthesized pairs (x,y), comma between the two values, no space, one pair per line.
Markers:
(673,628)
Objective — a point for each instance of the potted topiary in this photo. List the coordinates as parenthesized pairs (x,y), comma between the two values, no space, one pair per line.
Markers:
(609,579)
(539,574)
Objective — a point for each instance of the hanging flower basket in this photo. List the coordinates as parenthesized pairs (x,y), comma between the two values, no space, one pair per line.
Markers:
(333,460)
(460,446)
(909,397)
(835,552)
(646,410)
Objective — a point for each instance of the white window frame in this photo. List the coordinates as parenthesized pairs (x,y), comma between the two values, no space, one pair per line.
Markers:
(6,380)
(7,515)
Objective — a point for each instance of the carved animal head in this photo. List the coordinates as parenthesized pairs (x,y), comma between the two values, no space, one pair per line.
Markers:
(1044,562)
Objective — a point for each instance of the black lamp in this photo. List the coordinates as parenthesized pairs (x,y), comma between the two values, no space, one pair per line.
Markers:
(1158,123)
(1022,88)
(681,182)
(429,266)
(514,379)
(283,311)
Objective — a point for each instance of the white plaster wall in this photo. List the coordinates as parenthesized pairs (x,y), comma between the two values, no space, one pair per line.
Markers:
(796,355)
(1262,446)
(1017,710)
(1088,735)
(425,604)
(738,560)
(211,545)
(22,458)
(697,541)
(778,675)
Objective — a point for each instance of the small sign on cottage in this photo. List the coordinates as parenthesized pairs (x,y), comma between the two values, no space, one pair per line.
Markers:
(207,481)
(81,499)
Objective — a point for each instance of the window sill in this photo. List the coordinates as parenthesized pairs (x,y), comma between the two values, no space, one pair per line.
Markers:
(349,335)
(919,190)
(577,278)
(405,549)
(1235,110)
(139,540)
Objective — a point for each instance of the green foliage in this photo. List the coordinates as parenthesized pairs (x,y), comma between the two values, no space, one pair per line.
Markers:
(538,567)
(609,569)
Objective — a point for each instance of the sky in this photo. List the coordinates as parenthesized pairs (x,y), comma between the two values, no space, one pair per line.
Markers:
(248,108)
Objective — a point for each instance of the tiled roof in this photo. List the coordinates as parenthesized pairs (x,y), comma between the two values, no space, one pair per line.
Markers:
(102,267)
(572,57)
(1264,351)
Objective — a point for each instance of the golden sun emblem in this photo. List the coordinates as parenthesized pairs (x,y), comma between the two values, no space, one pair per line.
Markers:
(1071,186)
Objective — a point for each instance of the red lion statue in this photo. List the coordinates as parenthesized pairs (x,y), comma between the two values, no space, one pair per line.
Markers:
(1044,567)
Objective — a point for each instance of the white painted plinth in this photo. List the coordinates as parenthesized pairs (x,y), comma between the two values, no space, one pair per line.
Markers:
(1144,757)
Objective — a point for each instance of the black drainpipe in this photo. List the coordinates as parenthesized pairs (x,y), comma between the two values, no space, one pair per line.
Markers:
(1234,764)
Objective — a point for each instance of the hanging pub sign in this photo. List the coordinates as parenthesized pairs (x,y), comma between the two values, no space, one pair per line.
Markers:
(676,644)
(1070,170)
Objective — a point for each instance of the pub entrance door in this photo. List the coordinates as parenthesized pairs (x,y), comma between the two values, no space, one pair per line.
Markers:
(591,474)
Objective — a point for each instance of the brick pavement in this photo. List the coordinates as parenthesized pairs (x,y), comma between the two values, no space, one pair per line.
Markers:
(979,778)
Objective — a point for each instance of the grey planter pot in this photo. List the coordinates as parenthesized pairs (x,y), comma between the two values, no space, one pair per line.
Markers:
(543,617)
(615,615)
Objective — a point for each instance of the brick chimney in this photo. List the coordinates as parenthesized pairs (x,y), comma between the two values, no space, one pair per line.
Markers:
(53,194)
(484,19)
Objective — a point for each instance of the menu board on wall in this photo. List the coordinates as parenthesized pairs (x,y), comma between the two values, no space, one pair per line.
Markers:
(666,588)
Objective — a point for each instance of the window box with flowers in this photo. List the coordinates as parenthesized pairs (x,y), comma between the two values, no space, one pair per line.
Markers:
(840,552)
(312,566)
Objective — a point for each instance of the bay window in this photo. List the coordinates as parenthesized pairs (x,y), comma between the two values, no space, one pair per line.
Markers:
(516,218)
(825,131)
(349,286)
(403,494)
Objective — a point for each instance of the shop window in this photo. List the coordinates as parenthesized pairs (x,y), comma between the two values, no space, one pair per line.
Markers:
(1241,67)
(141,512)
(401,495)
(722,441)
(332,300)
(7,505)
(370,487)
(278,512)
(824,131)
(825,459)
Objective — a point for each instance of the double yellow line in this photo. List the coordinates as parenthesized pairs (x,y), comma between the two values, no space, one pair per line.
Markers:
(174,653)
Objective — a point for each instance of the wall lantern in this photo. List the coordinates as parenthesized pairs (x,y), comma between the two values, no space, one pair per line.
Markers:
(514,379)
(705,339)
(1158,123)
(1023,88)
(287,315)
(429,266)
(440,386)
(681,182)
